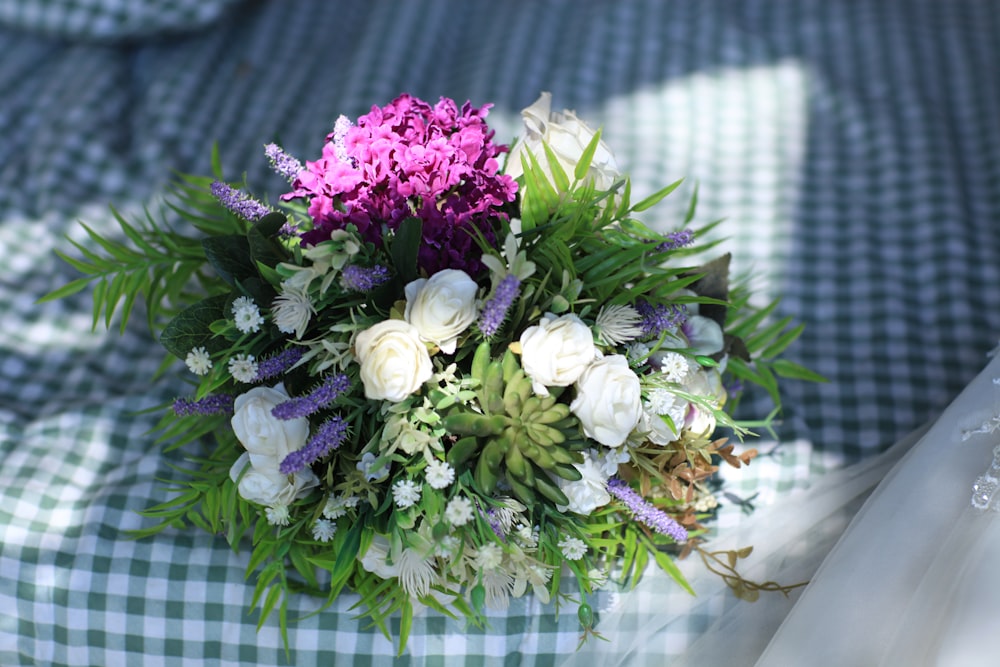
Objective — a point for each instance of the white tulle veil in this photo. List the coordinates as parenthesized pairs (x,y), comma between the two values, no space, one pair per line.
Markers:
(902,575)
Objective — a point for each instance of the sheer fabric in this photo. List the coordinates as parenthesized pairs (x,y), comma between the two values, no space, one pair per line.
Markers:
(914,580)
(904,574)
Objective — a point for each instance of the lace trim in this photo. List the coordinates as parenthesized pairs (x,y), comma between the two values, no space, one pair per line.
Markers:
(985,494)
(984,491)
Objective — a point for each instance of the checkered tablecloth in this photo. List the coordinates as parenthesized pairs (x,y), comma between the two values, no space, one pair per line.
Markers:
(853,146)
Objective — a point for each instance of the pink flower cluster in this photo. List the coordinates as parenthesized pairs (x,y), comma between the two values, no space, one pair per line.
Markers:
(407,159)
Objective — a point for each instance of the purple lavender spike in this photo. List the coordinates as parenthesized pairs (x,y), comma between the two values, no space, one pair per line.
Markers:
(645,512)
(328,437)
(213,404)
(314,401)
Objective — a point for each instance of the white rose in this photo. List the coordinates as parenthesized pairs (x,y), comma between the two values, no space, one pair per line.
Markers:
(567,136)
(587,493)
(556,351)
(268,486)
(608,400)
(263,435)
(268,440)
(442,307)
(394,361)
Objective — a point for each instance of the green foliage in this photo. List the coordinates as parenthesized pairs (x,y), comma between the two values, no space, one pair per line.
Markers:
(155,261)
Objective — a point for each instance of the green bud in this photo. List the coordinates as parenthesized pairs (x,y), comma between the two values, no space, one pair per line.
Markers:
(478,597)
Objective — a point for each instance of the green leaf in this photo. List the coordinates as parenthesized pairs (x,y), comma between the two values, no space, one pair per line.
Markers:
(263,248)
(190,329)
(66,290)
(405,625)
(763,338)
(789,369)
(623,206)
(405,248)
(691,208)
(269,274)
(537,183)
(272,599)
(216,161)
(262,553)
(744,327)
(668,565)
(349,551)
(783,341)
(230,257)
(558,173)
(654,199)
(302,565)
(587,157)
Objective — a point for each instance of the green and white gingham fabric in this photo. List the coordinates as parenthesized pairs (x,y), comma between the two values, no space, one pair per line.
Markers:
(853,146)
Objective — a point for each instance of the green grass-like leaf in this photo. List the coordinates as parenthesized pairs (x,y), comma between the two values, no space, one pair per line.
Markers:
(655,198)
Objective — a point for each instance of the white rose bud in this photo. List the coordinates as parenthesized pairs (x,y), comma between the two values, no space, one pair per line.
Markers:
(567,136)
(556,351)
(268,486)
(442,307)
(608,400)
(268,440)
(705,382)
(394,361)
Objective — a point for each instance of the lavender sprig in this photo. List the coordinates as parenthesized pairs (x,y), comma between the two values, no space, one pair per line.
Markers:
(659,318)
(213,404)
(314,401)
(328,437)
(278,364)
(239,202)
(363,279)
(645,512)
(496,308)
(282,163)
(675,240)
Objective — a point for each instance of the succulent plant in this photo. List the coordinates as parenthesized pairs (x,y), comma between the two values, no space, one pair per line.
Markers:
(519,436)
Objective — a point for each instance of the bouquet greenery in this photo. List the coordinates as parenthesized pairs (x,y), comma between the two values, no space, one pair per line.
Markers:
(437,376)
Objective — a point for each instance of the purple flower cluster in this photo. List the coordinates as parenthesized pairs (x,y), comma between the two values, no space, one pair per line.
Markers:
(645,512)
(328,437)
(496,308)
(409,158)
(676,240)
(213,404)
(239,202)
(278,364)
(659,318)
(314,401)
(283,163)
(362,278)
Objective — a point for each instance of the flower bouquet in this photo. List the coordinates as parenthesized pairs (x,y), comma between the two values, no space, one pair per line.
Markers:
(439,371)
